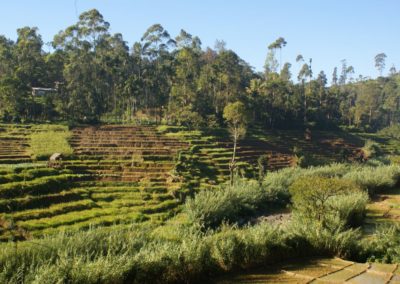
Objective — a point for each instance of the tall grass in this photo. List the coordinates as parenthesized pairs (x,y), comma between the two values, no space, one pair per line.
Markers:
(192,252)
(384,246)
(53,139)
(136,255)
(373,176)
(228,203)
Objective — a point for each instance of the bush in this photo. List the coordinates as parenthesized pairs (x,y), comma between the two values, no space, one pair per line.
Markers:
(321,199)
(374,178)
(372,150)
(187,118)
(374,175)
(384,246)
(314,239)
(391,131)
(228,203)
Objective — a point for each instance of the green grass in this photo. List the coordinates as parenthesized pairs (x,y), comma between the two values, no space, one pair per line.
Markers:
(49,140)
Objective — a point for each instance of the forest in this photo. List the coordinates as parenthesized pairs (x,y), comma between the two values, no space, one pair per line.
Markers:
(91,75)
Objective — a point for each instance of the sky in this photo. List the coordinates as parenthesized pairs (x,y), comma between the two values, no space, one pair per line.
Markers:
(325,30)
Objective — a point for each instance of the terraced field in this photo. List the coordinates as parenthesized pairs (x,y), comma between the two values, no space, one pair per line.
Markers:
(14,144)
(211,152)
(119,174)
(320,271)
(116,175)
(388,144)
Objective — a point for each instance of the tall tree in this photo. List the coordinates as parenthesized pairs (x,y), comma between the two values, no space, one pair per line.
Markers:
(29,58)
(279,43)
(157,43)
(380,63)
(84,70)
(343,75)
(334,76)
(285,72)
(237,119)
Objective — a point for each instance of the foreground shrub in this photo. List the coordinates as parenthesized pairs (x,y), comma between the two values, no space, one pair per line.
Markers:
(383,246)
(135,255)
(375,175)
(326,199)
(318,240)
(229,203)
(374,178)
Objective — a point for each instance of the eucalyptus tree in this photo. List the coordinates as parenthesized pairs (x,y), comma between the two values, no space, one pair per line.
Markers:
(391,101)
(29,58)
(304,73)
(279,43)
(115,62)
(232,77)
(9,90)
(368,102)
(184,91)
(285,74)
(29,70)
(207,84)
(380,62)
(335,76)
(156,44)
(392,71)
(343,75)
(350,72)
(7,58)
(322,81)
(84,72)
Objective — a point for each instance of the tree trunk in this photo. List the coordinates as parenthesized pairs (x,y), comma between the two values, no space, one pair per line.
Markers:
(232,164)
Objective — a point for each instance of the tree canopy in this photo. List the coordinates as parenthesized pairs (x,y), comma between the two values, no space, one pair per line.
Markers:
(97,76)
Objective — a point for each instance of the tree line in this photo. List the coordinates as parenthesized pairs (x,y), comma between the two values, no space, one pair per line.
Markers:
(96,76)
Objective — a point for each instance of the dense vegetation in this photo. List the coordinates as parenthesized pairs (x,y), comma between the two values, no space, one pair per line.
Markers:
(95,75)
(188,250)
(152,203)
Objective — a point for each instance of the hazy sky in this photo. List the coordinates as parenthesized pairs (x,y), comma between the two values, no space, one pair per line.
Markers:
(326,31)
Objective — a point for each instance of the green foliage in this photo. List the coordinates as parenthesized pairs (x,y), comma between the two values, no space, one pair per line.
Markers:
(391,131)
(236,116)
(228,203)
(372,150)
(136,255)
(262,163)
(37,186)
(384,246)
(187,118)
(324,199)
(28,174)
(49,141)
(314,239)
(374,178)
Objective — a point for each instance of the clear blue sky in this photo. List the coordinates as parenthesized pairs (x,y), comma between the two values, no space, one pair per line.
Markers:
(327,31)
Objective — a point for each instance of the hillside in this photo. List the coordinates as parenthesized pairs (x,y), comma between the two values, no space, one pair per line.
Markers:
(119,174)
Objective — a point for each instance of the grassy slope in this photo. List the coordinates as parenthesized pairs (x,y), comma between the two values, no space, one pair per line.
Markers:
(105,202)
